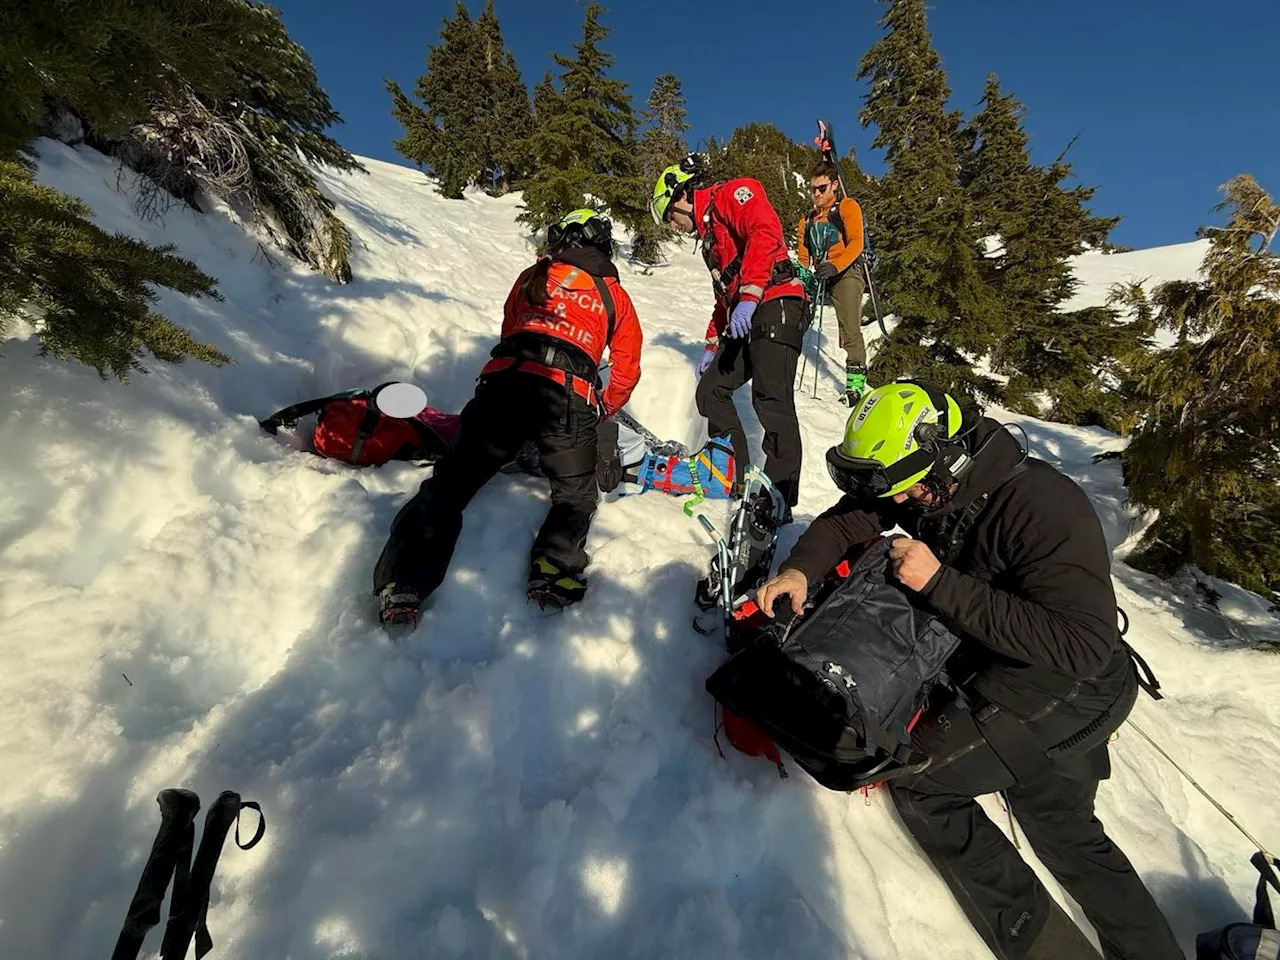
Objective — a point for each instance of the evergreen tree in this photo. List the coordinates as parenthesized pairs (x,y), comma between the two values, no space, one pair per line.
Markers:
(189,94)
(666,121)
(506,115)
(931,269)
(89,293)
(1206,452)
(583,148)
(1034,225)
(476,108)
(765,153)
(448,136)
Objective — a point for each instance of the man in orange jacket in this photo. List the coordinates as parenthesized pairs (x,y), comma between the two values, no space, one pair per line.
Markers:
(830,241)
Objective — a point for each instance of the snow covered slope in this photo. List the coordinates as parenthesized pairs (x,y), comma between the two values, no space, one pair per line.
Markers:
(183,602)
(1098,272)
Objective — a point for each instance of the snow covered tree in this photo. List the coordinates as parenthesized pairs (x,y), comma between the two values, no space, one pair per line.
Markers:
(88,293)
(1206,452)
(931,271)
(765,153)
(1034,225)
(666,121)
(207,94)
(583,148)
(201,94)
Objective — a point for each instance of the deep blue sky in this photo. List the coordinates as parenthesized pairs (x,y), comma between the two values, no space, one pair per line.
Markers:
(1170,98)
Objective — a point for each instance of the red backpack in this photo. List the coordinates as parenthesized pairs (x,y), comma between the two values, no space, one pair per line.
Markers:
(349,427)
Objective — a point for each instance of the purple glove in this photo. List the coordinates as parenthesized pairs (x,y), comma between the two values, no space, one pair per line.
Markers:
(740,319)
(704,361)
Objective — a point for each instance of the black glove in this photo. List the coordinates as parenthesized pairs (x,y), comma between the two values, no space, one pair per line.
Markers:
(826,270)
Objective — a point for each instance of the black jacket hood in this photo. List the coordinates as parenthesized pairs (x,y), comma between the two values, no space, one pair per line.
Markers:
(590,259)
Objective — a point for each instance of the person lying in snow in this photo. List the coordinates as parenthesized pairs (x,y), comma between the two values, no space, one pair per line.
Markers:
(354,426)
(1010,554)
(543,384)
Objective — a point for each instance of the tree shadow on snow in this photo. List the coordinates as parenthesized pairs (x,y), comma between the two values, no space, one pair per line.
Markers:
(501,783)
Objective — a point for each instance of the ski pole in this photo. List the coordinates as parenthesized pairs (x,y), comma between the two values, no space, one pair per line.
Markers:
(172,845)
(875,301)
(190,904)
(817,349)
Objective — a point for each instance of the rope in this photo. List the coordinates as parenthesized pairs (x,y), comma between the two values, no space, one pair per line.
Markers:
(1257,845)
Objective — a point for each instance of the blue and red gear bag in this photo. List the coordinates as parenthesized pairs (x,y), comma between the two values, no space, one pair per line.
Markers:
(711,472)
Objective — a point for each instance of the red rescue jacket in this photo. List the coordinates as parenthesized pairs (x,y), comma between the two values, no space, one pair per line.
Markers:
(736,218)
(575,313)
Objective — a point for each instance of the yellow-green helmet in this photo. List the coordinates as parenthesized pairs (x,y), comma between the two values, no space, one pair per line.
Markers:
(894,438)
(669,182)
(583,225)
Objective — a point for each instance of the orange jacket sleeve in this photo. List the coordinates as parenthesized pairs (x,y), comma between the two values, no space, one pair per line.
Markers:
(624,351)
(843,254)
(801,250)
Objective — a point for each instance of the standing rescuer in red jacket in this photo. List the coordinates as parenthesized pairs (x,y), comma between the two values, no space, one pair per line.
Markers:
(760,316)
(542,385)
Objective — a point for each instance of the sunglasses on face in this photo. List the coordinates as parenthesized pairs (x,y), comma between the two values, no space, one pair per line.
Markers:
(819,188)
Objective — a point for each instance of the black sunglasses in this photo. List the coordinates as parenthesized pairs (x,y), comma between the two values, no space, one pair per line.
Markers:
(819,187)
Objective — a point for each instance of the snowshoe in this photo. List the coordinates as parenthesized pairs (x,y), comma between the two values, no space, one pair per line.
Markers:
(548,586)
(742,561)
(398,606)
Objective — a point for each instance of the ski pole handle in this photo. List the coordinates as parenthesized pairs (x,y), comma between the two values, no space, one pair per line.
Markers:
(174,841)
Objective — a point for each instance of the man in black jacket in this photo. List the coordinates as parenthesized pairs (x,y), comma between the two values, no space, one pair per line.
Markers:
(1011,554)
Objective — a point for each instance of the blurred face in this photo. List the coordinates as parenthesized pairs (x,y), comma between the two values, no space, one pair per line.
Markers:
(919,496)
(822,190)
(680,215)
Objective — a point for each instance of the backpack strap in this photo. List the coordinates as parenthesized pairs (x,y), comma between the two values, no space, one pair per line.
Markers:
(1262,913)
(292,414)
(610,309)
(837,221)
(368,424)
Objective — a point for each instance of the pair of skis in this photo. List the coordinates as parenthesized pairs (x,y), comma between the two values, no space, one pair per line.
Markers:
(743,559)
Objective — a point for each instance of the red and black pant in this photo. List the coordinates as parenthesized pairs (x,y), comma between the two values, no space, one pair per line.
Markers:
(509,409)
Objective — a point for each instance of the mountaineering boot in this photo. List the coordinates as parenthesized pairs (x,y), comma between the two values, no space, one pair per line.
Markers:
(549,585)
(1060,939)
(855,385)
(398,606)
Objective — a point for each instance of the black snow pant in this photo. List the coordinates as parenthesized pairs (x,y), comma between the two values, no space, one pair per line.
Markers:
(770,365)
(996,888)
(508,409)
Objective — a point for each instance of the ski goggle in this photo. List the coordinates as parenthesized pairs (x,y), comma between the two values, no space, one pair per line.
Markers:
(866,479)
(598,231)
(857,478)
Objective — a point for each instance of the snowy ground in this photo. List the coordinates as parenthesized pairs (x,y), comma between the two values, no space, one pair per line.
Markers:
(183,602)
